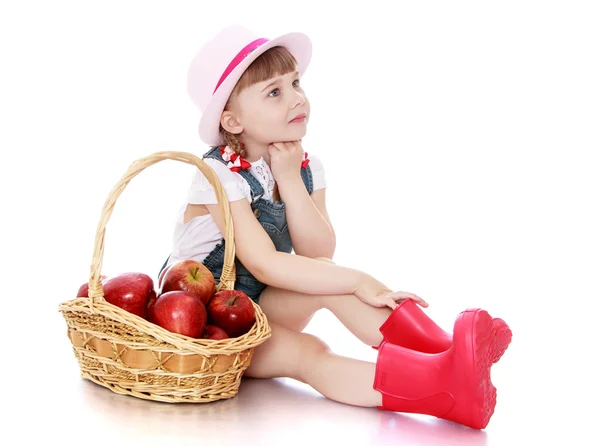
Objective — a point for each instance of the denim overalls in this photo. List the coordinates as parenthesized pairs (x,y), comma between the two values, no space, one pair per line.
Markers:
(272,218)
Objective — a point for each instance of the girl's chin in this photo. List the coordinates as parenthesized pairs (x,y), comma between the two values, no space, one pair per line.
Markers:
(290,135)
(299,131)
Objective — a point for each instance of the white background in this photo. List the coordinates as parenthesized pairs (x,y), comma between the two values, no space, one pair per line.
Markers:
(460,142)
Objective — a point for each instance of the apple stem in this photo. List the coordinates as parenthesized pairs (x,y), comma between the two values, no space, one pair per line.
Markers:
(195,273)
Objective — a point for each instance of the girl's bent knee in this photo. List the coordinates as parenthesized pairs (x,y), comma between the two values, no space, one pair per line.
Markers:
(312,350)
(313,344)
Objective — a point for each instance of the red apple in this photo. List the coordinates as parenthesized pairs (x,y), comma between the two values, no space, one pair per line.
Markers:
(180,312)
(83,289)
(233,311)
(214,332)
(190,276)
(130,291)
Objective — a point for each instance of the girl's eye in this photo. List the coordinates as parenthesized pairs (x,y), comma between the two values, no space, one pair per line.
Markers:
(277,89)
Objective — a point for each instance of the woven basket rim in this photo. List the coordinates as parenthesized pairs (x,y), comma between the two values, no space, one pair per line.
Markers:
(177,341)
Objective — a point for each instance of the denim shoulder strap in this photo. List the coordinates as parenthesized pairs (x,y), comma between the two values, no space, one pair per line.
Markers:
(306,174)
(256,189)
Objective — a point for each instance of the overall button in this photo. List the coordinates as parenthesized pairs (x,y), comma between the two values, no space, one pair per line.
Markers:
(257,212)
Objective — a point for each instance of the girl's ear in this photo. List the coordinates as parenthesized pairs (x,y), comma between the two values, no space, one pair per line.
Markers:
(230,122)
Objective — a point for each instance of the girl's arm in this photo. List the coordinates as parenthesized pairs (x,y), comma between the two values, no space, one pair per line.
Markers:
(308,276)
(256,251)
(310,232)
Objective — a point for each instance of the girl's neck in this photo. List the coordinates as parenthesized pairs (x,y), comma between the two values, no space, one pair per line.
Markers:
(255,151)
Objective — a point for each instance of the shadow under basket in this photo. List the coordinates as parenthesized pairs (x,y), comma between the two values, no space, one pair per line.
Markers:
(130,355)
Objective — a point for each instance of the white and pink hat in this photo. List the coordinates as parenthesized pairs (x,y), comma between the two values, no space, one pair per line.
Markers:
(220,63)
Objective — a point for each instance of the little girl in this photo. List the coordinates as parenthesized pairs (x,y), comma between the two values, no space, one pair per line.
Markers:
(254,115)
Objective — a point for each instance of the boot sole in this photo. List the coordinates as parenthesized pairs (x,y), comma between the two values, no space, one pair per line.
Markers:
(503,338)
(481,346)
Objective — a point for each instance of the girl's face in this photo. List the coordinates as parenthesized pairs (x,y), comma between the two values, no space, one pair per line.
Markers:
(264,110)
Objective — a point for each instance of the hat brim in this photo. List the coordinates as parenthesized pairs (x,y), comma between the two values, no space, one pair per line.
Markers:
(298,44)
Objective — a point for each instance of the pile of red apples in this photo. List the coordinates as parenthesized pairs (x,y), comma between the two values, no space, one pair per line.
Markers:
(186,303)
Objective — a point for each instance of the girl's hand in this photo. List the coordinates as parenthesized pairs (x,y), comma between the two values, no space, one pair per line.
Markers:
(286,159)
(376,294)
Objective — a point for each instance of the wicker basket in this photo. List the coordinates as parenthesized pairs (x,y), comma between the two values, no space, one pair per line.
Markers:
(132,356)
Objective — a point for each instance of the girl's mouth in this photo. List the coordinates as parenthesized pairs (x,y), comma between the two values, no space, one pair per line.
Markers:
(300,119)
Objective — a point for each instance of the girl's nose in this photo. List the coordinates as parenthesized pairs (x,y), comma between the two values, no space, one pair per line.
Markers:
(299,98)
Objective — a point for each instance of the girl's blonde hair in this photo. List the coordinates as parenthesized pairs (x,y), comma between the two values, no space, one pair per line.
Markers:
(274,62)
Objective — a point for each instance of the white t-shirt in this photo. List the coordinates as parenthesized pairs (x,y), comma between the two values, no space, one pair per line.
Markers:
(198,237)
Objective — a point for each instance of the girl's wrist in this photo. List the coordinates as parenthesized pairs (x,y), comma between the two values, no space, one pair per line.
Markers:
(289,183)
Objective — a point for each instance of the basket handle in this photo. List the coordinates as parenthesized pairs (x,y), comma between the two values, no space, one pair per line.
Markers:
(95,291)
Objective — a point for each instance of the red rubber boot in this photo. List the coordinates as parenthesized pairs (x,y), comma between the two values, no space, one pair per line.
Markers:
(408,326)
(454,385)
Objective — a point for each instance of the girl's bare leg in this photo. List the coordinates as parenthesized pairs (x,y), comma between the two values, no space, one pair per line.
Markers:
(294,310)
(306,358)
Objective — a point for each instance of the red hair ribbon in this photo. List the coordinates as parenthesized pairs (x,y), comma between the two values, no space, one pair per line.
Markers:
(306,160)
(236,162)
